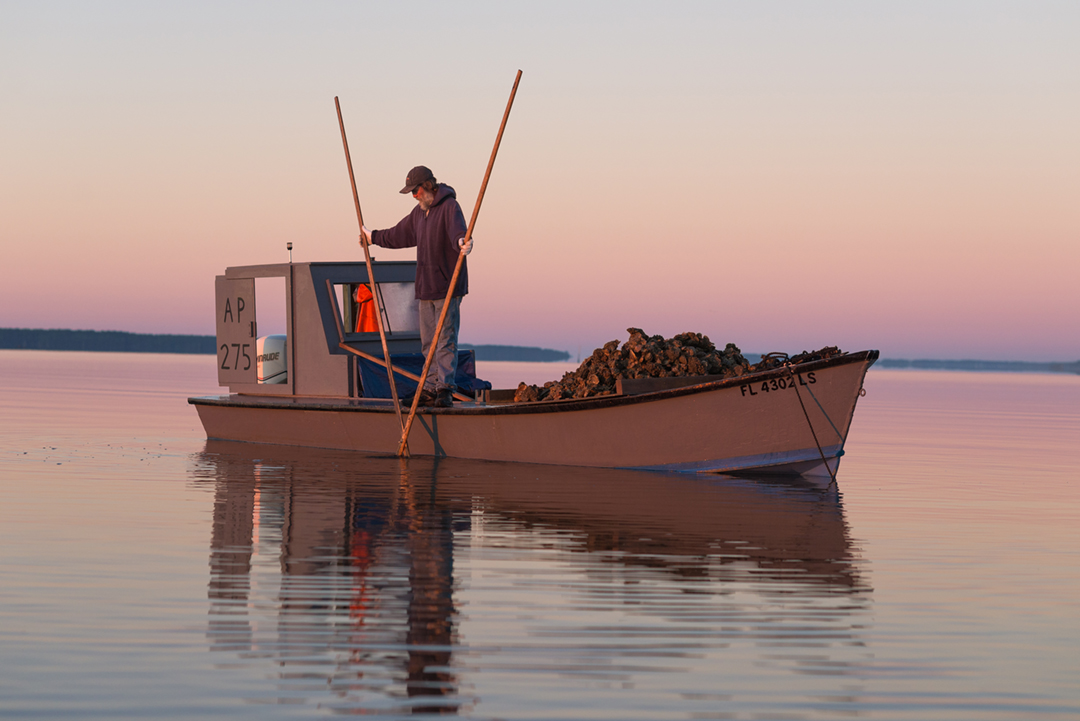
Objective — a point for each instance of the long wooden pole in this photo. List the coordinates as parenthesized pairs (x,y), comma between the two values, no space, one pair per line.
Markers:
(403,448)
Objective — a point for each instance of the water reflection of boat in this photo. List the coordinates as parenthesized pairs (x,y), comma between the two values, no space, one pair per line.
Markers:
(363,592)
(787,420)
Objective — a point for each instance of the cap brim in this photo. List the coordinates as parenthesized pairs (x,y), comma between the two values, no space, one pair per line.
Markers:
(409,189)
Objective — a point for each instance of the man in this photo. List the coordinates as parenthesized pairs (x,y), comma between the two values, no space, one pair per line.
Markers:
(436,228)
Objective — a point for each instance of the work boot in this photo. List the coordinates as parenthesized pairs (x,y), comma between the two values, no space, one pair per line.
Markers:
(427,399)
(444,399)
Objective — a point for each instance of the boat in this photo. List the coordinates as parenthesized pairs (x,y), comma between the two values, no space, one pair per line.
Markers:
(793,419)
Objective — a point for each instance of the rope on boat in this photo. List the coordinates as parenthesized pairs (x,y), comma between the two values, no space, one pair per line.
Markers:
(806,415)
(824,413)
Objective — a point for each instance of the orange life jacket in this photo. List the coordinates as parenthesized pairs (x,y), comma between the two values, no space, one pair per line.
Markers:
(366,320)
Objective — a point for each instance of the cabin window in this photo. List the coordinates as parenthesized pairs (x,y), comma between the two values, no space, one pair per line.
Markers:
(396,303)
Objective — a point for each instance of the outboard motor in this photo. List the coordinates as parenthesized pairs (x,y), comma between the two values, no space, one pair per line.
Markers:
(270,362)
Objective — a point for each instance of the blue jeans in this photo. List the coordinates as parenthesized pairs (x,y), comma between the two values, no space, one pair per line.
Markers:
(444,365)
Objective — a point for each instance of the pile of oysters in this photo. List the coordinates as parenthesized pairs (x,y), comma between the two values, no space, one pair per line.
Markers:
(645,356)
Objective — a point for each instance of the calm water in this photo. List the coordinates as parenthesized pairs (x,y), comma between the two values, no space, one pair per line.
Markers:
(147,573)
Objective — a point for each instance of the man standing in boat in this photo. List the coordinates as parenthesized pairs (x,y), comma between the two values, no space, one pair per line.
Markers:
(436,228)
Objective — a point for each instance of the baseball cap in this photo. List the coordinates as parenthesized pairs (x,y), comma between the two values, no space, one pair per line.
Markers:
(416,176)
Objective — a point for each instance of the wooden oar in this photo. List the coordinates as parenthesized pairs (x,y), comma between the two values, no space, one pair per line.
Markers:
(403,448)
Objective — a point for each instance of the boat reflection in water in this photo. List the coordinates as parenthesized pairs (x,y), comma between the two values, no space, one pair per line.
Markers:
(338,572)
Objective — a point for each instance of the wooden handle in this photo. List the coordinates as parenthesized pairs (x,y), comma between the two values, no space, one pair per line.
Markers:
(457,271)
(402,449)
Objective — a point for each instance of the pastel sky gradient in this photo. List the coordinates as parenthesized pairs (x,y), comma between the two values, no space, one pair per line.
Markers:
(784,176)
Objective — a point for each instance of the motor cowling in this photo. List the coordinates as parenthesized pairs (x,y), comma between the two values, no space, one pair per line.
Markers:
(270,359)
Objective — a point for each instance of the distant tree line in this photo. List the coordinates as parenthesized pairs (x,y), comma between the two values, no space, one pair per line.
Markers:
(114,341)
(981,365)
(515,353)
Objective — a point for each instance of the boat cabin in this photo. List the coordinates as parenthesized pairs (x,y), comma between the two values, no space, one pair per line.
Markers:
(323,305)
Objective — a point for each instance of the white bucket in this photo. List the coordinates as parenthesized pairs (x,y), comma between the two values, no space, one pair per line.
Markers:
(270,362)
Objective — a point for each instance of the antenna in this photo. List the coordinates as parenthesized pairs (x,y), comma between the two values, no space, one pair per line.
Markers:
(288,247)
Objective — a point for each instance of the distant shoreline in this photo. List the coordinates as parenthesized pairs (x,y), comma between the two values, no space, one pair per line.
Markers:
(107,341)
(981,366)
(112,341)
(515,353)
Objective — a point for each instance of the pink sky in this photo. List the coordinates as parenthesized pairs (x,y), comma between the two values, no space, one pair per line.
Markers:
(782,176)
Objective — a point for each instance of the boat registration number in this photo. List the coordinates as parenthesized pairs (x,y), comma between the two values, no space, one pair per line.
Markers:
(777,384)
(241,351)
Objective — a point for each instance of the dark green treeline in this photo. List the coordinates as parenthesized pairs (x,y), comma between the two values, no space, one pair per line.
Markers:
(115,341)
(104,340)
